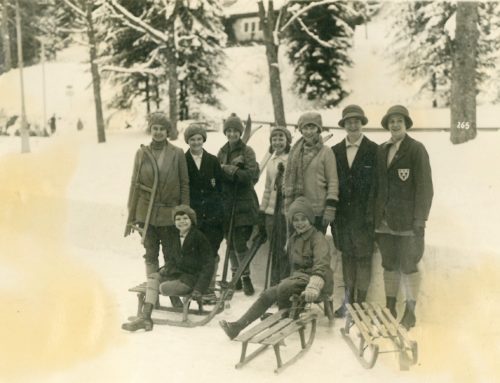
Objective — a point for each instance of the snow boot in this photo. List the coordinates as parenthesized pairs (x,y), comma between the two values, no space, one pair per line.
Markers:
(391,305)
(341,312)
(144,322)
(247,285)
(232,329)
(408,321)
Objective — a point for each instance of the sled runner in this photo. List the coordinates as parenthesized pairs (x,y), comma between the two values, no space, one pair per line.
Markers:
(373,323)
(196,317)
(273,330)
(134,197)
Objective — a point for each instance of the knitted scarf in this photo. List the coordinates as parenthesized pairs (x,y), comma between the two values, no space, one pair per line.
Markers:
(299,159)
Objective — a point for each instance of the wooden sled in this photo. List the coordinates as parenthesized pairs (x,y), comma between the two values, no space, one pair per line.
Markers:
(272,331)
(372,323)
(190,317)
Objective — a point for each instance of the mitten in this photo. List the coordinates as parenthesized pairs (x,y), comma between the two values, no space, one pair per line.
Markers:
(313,288)
(419,227)
(328,215)
(238,161)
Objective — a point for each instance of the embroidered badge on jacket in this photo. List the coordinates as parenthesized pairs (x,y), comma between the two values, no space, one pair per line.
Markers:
(403,174)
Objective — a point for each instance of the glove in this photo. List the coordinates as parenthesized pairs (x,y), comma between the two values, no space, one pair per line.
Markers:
(328,215)
(196,295)
(419,227)
(229,169)
(238,161)
(313,288)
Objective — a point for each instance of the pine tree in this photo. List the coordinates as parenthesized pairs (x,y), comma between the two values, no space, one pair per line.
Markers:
(423,44)
(318,48)
(187,46)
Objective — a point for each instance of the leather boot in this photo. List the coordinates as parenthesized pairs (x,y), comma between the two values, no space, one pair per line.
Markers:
(176,301)
(143,322)
(408,321)
(391,305)
(247,285)
(341,312)
(232,329)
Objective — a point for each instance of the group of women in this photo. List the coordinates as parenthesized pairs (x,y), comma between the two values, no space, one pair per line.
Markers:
(202,199)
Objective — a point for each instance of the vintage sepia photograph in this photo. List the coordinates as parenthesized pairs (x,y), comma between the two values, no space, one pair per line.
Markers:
(249,191)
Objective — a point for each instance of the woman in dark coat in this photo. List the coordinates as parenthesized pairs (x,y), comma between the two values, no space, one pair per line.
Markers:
(205,191)
(353,229)
(240,174)
(188,267)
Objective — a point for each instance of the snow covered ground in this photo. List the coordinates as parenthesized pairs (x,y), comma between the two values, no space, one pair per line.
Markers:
(65,267)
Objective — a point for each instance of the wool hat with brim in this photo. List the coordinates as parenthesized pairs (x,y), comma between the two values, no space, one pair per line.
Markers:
(301,205)
(160,118)
(234,122)
(184,209)
(353,111)
(313,118)
(397,109)
(195,128)
(285,131)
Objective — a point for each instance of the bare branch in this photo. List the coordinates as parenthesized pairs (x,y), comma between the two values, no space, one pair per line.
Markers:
(75,8)
(312,35)
(136,69)
(306,9)
(136,22)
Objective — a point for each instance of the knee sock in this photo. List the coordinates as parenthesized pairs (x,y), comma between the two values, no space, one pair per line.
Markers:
(152,289)
(411,285)
(152,267)
(391,282)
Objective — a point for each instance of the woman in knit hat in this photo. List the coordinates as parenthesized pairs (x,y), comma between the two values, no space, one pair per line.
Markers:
(187,271)
(311,172)
(311,274)
(172,190)
(205,190)
(275,225)
(240,173)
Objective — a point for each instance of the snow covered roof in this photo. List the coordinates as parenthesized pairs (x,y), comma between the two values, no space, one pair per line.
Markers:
(244,7)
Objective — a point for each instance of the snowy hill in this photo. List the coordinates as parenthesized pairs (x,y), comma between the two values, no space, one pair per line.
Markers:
(65,267)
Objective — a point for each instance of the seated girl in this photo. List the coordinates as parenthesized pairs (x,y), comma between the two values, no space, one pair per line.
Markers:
(311,274)
(188,268)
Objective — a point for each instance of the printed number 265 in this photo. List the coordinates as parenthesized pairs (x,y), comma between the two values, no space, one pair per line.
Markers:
(463,125)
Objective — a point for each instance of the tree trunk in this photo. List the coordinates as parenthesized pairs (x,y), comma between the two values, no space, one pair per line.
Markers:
(7,56)
(463,77)
(96,79)
(146,84)
(272,62)
(173,82)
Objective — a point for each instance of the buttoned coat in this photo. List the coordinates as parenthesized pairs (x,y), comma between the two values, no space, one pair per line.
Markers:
(404,190)
(173,188)
(192,262)
(355,185)
(205,189)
